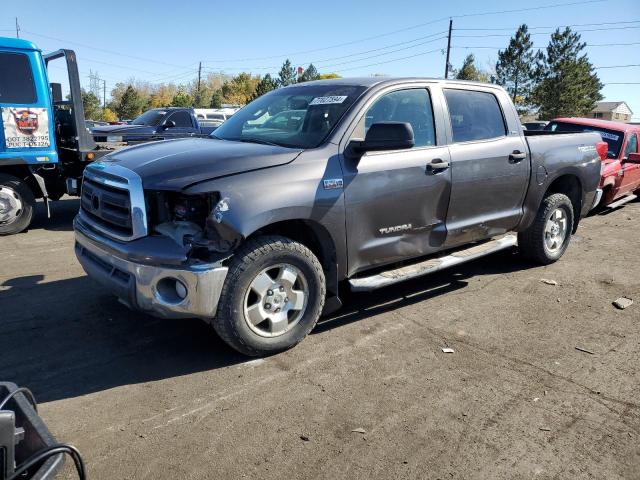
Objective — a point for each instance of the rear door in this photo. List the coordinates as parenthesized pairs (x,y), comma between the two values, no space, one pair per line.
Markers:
(490,165)
(396,202)
(630,179)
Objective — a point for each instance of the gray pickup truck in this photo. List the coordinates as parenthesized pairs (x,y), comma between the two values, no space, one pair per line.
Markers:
(368,183)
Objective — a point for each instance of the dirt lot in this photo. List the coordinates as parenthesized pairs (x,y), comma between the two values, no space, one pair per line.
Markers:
(157,399)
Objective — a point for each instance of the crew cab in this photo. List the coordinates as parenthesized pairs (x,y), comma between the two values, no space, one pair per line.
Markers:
(258,230)
(621,169)
(155,124)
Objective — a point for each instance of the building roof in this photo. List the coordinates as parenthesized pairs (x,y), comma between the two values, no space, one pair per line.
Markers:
(598,123)
(609,106)
(17,43)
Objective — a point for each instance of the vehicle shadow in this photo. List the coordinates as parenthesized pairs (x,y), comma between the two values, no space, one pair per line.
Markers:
(68,338)
(63,212)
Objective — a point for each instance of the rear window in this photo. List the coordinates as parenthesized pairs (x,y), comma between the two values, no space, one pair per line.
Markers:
(474,115)
(16,79)
(614,138)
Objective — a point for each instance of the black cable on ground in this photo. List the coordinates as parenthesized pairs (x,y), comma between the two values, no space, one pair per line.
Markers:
(27,393)
(49,452)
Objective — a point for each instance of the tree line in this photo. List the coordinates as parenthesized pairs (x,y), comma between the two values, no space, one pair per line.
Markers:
(128,100)
(556,82)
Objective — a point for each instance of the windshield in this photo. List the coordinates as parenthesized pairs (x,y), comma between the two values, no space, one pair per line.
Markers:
(149,118)
(299,117)
(614,138)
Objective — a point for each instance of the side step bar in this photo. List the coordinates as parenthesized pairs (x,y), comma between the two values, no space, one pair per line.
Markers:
(622,201)
(389,277)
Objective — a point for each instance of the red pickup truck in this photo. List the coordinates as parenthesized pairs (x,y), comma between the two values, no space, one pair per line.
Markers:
(621,169)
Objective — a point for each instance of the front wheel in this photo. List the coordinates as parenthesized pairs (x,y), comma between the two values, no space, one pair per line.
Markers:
(16,205)
(272,297)
(546,240)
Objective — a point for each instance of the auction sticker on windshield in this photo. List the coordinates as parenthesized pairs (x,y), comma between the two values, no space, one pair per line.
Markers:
(609,136)
(25,127)
(328,100)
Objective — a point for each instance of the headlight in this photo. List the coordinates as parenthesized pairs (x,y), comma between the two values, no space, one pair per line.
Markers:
(221,207)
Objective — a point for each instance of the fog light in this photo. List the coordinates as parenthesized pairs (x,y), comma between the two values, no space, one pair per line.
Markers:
(181,290)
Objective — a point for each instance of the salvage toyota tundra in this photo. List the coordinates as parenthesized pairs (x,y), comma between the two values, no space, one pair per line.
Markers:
(316,187)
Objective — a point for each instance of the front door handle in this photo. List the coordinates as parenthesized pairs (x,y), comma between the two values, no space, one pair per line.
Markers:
(517,156)
(437,165)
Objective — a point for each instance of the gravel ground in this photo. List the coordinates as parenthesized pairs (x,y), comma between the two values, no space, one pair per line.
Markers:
(369,394)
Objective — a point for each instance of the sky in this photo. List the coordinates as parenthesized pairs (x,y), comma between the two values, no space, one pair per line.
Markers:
(162,40)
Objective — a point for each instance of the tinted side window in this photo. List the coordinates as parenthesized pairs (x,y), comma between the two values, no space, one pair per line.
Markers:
(411,106)
(474,115)
(632,145)
(16,80)
(182,119)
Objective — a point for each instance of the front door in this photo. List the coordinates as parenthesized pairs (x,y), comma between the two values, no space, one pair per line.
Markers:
(396,201)
(490,168)
(630,179)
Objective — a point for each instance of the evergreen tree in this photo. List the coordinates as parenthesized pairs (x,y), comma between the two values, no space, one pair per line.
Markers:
(265,85)
(311,73)
(216,99)
(568,87)
(130,105)
(182,99)
(90,105)
(469,71)
(517,68)
(287,74)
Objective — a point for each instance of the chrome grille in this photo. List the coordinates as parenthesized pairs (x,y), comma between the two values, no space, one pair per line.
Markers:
(112,201)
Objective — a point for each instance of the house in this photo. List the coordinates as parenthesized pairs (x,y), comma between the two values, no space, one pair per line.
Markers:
(618,111)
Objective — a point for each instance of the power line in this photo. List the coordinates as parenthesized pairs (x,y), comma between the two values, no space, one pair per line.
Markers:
(551,26)
(588,45)
(392,60)
(120,54)
(541,33)
(618,66)
(412,27)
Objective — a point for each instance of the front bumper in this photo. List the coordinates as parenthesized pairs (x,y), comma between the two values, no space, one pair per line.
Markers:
(151,288)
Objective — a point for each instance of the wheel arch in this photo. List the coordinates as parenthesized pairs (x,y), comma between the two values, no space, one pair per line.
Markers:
(571,186)
(315,237)
(24,173)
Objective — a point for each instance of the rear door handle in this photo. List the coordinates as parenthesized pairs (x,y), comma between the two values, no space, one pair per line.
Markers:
(517,156)
(437,165)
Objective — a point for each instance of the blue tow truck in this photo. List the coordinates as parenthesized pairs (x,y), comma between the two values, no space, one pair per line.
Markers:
(44,141)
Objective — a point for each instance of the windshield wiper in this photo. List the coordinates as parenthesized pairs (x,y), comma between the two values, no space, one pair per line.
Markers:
(254,140)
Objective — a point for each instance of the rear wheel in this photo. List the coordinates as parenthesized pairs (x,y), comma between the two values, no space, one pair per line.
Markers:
(16,205)
(546,240)
(272,297)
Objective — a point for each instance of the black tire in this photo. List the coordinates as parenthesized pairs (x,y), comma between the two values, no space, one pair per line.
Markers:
(531,242)
(247,263)
(22,192)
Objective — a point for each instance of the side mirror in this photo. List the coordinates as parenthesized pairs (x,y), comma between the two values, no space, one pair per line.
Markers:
(168,124)
(385,136)
(633,158)
(56,92)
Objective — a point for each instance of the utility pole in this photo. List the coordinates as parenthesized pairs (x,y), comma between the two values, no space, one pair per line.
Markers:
(104,96)
(199,76)
(446,67)
(17,29)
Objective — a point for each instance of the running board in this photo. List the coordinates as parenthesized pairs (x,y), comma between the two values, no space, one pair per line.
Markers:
(622,201)
(389,277)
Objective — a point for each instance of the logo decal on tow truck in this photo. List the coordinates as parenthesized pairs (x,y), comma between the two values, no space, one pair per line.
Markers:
(26,127)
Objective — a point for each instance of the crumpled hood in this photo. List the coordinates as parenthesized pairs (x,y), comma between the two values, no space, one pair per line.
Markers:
(176,164)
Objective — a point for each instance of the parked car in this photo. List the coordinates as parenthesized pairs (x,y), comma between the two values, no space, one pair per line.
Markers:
(154,124)
(256,229)
(621,169)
